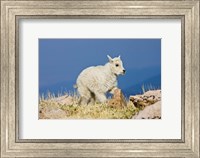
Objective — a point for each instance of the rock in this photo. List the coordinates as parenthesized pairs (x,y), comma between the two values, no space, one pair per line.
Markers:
(150,112)
(49,112)
(155,94)
(146,99)
(141,104)
(118,99)
(136,98)
(65,100)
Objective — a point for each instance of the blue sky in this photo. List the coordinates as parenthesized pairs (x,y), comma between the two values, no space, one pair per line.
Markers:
(61,61)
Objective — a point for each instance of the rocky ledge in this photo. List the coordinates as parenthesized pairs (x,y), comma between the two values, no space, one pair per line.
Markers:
(150,103)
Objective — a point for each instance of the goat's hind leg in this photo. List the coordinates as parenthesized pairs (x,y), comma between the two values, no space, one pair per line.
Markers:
(85,96)
(92,100)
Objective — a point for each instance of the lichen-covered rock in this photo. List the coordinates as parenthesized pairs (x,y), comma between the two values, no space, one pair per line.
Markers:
(118,99)
(146,99)
(150,112)
(154,94)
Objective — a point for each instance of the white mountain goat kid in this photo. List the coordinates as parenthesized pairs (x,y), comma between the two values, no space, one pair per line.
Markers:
(94,82)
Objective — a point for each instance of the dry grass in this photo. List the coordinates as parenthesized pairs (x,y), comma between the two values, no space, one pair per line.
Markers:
(97,111)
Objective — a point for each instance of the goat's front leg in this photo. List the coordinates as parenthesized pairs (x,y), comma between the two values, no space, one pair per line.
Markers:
(101,97)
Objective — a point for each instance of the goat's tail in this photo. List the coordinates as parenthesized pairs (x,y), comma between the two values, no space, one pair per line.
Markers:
(75,86)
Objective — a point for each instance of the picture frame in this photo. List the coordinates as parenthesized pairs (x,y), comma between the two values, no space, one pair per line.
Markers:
(13,11)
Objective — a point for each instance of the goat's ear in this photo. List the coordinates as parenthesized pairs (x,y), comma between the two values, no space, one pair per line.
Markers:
(110,59)
(119,57)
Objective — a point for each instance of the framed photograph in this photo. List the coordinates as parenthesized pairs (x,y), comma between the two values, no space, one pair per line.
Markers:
(100,78)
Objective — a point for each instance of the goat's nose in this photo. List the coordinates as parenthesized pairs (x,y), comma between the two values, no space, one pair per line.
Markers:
(124,71)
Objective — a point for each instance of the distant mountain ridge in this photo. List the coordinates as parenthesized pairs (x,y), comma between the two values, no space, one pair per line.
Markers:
(151,83)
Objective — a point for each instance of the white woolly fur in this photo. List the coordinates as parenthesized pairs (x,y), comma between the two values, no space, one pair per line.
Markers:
(94,82)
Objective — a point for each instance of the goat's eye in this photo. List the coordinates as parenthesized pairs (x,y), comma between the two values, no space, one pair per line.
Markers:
(116,65)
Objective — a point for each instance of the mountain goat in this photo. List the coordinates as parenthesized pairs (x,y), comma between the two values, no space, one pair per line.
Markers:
(94,82)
